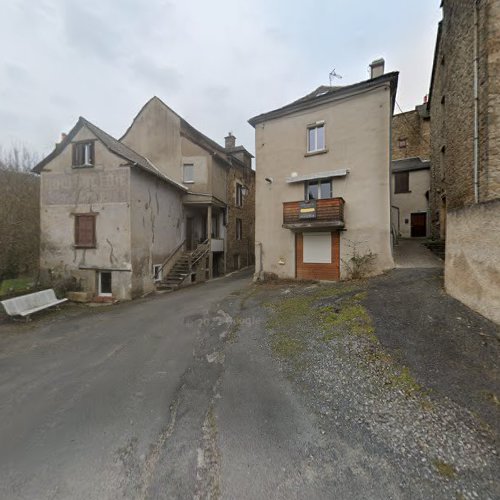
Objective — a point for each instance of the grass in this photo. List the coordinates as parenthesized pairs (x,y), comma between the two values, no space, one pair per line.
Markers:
(14,286)
(444,469)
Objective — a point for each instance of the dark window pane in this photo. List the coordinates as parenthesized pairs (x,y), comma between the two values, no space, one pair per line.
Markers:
(320,137)
(326,189)
(105,282)
(312,190)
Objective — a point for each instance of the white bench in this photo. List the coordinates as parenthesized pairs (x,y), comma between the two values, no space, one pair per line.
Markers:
(25,305)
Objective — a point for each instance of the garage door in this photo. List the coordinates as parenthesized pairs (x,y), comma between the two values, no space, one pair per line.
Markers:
(317,256)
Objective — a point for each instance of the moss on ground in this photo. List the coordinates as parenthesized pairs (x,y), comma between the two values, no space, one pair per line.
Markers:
(444,469)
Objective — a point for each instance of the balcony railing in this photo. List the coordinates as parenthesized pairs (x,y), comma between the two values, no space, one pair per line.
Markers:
(314,214)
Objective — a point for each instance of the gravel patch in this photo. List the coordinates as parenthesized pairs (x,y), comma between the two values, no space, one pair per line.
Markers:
(325,342)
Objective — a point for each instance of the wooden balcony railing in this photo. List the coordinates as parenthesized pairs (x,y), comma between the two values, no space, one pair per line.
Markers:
(314,214)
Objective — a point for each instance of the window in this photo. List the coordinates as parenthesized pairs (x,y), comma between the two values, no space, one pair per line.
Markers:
(315,138)
(239,195)
(402,182)
(157,272)
(318,189)
(188,173)
(85,231)
(83,154)
(104,284)
(402,142)
(239,229)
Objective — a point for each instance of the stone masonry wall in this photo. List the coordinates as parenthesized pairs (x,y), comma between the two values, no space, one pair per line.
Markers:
(416,130)
(244,248)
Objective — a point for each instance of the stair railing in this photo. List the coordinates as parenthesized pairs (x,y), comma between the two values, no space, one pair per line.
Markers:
(169,258)
(201,251)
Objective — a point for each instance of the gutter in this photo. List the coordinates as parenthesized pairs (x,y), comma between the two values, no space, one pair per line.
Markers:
(476,105)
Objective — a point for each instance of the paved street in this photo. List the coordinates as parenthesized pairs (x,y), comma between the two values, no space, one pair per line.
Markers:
(235,390)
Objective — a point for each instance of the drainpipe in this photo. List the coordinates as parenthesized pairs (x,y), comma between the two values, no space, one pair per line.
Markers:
(476,105)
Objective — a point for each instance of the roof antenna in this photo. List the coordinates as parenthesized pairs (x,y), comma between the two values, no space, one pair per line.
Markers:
(333,75)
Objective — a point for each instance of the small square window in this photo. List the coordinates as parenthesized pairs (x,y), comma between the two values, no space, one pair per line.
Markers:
(402,143)
(83,154)
(188,173)
(157,272)
(315,138)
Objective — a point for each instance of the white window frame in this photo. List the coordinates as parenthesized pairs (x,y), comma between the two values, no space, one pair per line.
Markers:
(312,148)
(184,180)
(159,276)
(99,285)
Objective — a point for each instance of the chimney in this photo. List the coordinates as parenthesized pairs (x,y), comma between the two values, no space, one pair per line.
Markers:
(377,68)
(230,141)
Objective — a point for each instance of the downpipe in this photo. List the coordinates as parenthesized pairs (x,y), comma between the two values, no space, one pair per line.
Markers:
(476,104)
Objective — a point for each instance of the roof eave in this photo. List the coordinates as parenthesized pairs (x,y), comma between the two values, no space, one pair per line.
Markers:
(345,92)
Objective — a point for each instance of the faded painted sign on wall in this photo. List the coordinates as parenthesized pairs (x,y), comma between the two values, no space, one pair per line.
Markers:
(85,187)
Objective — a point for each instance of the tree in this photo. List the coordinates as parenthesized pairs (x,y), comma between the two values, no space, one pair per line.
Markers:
(19,214)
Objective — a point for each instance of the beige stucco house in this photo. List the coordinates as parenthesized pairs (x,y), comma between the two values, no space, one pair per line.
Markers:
(323,180)
(411,179)
(163,206)
(107,215)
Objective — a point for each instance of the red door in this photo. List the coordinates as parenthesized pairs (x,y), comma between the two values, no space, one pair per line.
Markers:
(419,225)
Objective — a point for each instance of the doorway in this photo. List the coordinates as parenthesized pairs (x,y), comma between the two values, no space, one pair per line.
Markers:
(189,233)
(104,284)
(419,225)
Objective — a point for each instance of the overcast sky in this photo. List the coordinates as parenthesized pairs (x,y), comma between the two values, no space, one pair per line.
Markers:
(216,63)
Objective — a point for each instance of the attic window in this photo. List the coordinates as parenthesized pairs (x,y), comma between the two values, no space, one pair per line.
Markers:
(83,154)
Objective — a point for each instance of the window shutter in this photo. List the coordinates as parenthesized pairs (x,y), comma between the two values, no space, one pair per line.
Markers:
(402,182)
(75,154)
(85,231)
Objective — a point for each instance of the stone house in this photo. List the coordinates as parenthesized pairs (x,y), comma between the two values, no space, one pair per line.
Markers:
(465,156)
(120,217)
(323,180)
(411,172)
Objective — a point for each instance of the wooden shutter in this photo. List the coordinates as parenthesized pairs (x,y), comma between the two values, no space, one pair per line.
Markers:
(85,231)
(92,157)
(402,182)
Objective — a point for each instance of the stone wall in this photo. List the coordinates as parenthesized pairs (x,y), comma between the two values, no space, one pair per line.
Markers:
(472,264)
(452,108)
(413,129)
(245,247)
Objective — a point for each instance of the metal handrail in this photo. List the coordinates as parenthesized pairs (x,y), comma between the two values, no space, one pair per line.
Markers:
(202,250)
(167,260)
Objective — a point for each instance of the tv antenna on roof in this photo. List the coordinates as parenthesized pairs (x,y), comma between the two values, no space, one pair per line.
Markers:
(333,75)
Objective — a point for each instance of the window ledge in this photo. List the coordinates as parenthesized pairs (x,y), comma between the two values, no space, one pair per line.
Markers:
(314,153)
(402,192)
(83,166)
(188,182)
(85,247)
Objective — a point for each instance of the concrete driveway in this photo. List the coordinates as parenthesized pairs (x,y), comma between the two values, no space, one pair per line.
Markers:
(411,253)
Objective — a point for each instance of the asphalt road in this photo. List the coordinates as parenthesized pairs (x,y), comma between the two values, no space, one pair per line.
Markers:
(111,402)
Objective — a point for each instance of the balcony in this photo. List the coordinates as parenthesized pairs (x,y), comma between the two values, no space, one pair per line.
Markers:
(314,214)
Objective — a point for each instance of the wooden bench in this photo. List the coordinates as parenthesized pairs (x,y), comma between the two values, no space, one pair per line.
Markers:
(26,305)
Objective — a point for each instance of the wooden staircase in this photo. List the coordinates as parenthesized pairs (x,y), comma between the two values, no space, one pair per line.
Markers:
(184,267)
